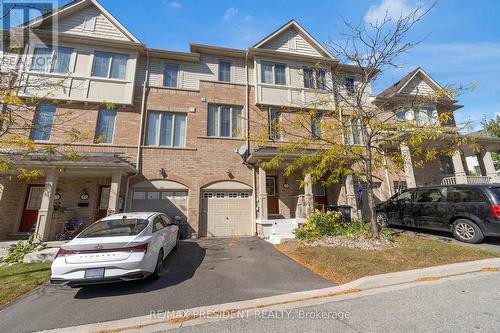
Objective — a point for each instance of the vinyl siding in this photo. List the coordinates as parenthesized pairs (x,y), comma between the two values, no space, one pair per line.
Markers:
(280,43)
(104,28)
(417,86)
(7,59)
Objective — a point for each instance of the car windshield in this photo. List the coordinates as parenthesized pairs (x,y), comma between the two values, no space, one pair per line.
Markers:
(496,194)
(114,228)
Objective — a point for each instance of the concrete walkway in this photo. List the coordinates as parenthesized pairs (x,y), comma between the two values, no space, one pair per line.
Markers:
(162,321)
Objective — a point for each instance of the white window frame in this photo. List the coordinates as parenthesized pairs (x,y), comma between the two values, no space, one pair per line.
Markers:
(218,131)
(110,65)
(230,62)
(97,127)
(349,91)
(314,77)
(158,129)
(273,66)
(349,135)
(52,59)
(92,20)
(35,122)
(178,74)
(279,136)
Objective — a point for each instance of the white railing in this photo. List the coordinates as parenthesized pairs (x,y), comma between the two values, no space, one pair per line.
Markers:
(470,180)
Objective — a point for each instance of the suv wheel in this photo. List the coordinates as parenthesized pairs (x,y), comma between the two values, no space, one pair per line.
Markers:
(467,231)
(382,220)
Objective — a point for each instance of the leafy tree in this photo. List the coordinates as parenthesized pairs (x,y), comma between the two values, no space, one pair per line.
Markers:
(348,135)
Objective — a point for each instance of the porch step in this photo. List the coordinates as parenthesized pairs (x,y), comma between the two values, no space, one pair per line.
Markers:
(278,239)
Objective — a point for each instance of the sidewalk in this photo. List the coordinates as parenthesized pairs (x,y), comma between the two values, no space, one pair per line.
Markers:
(161,321)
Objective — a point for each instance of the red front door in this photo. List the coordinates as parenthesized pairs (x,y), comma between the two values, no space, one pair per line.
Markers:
(319,196)
(32,204)
(272,196)
(102,204)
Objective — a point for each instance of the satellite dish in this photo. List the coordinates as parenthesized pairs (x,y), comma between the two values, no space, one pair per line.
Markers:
(242,151)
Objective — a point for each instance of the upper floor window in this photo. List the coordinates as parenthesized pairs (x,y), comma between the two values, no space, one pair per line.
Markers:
(54,60)
(170,75)
(421,117)
(105,126)
(44,120)
(349,84)
(224,121)
(316,126)
(225,71)
(314,78)
(273,73)
(89,23)
(353,131)
(110,65)
(308,78)
(321,79)
(166,129)
(274,124)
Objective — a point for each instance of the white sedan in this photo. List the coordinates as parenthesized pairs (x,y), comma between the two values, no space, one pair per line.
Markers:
(120,247)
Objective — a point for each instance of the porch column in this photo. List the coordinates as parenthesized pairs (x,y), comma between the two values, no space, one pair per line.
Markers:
(409,173)
(114,194)
(486,165)
(388,180)
(44,218)
(351,196)
(458,165)
(262,194)
(308,194)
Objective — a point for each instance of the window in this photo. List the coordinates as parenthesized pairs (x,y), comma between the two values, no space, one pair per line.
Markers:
(274,124)
(44,119)
(89,23)
(271,186)
(158,224)
(153,196)
(422,117)
(401,116)
(139,195)
(316,126)
(446,165)
(273,73)
(353,131)
(349,85)
(105,126)
(110,65)
(321,79)
(55,60)
(308,78)
(166,220)
(170,75)
(225,71)
(224,121)
(430,195)
(166,129)
(403,197)
(465,195)
(115,228)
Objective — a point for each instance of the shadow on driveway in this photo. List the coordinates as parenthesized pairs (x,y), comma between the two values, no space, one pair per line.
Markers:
(179,266)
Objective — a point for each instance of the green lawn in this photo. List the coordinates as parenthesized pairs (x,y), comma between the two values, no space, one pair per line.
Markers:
(21,278)
(342,265)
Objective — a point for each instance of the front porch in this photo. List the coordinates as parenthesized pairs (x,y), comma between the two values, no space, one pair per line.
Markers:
(85,190)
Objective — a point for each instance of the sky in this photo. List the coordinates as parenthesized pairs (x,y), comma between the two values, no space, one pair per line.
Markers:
(461,46)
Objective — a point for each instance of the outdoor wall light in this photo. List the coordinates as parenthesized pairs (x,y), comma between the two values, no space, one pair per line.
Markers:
(163,173)
(285,183)
(84,196)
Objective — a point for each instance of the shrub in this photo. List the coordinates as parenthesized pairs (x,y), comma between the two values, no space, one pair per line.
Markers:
(22,248)
(319,225)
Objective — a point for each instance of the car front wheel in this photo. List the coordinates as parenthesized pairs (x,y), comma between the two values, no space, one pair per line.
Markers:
(382,220)
(467,231)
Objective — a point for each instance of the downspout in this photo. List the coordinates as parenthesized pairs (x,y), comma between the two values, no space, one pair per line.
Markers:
(254,180)
(139,141)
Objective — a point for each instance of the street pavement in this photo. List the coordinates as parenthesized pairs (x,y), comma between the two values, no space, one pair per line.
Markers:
(465,304)
(201,272)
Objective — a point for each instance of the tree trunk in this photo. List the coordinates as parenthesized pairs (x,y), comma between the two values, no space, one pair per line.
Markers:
(369,189)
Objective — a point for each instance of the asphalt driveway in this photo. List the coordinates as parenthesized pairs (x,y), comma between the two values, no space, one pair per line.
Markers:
(202,272)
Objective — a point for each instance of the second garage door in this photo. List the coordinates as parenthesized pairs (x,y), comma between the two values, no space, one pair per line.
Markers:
(227,213)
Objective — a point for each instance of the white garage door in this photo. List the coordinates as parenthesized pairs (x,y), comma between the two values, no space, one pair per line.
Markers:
(172,203)
(227,213)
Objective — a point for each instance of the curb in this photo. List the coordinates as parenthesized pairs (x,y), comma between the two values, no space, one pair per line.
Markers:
(175,319)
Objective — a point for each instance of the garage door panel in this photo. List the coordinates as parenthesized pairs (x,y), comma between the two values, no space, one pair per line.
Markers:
(227,213)
(172,203)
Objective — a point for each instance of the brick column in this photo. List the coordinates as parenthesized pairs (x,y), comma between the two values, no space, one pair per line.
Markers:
(44,219)
(308,194)
(458,165)
(262,194)
(409,173)
(114,194)
(351,196)
(487,166)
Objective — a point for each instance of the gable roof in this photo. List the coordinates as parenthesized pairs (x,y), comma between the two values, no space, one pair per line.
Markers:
(397,87)
(292,24)
(77,5)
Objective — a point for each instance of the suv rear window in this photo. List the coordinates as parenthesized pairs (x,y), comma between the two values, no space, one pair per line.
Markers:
(467,194)
(496,194)
(115,228)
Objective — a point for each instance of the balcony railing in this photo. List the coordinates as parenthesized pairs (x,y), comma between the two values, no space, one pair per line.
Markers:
(470,180)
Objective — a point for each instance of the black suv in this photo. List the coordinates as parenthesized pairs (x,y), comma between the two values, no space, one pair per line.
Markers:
(470,212)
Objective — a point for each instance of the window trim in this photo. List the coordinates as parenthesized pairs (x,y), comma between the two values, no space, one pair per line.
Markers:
(35,119)
(350,134)
(218,131)
(273,76)
(52,61)
(227,61)
(97,127)
(314,78)
(274,186)
(174,115)
(279,136)
(350,91)
(92,19)
(110,65)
